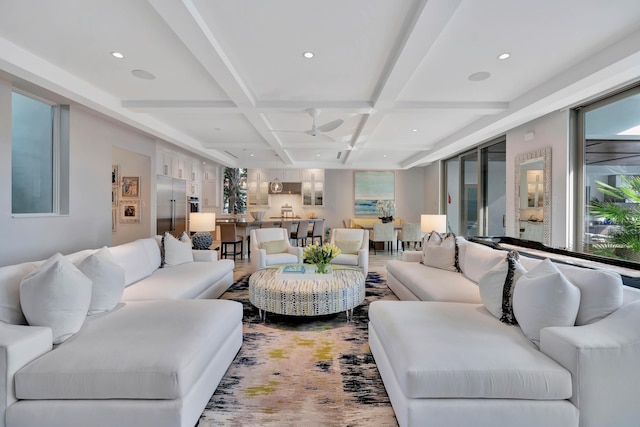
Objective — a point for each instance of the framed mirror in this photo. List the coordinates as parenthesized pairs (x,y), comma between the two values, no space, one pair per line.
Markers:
(533,196)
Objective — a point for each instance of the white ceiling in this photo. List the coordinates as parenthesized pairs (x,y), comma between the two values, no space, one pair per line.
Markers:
(228,72)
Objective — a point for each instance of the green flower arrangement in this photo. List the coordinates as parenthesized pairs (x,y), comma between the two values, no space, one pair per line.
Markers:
(321,256)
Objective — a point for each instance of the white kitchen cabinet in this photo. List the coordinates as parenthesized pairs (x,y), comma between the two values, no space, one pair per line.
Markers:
(258,187)
(313,187)
(210,188)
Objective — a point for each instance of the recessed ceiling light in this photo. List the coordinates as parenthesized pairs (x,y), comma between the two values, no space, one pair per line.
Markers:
(479,76)
(414,130)
(251,155)
(317,155)
(504,55)
(143,74)
(117,55)
(384,155)
(308,55)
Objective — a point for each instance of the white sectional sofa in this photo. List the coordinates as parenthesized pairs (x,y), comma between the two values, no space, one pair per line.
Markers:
(153,360)
(447,360)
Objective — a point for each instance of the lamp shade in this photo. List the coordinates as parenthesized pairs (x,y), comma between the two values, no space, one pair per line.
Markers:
(429,223)
(202,221)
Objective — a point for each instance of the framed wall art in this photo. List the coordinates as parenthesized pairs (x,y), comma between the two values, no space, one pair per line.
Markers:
(370,187)
(131,186)
(115,175)
(129,211)
(114,219)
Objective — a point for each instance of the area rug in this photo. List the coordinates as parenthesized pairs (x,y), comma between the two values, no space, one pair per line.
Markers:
(303,371)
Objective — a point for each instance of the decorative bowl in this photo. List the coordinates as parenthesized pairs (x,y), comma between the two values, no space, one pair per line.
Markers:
(257,215)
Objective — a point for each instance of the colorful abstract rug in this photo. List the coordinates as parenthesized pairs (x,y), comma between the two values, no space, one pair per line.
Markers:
(311,371)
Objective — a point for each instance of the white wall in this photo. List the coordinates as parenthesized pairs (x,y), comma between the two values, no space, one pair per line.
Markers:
(432,195)
(552,131)
(88,224)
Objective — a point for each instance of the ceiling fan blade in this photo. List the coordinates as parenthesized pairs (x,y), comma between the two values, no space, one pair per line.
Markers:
(319,136)
(327,127)
(289,131)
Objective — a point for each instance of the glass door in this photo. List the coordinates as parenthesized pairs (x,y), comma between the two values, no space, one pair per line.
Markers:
(469,194)
(494,188)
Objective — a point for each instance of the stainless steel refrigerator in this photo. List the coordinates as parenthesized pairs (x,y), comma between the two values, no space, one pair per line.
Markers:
(172,205)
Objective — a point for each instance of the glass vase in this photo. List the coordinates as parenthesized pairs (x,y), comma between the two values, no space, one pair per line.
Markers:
(322,268)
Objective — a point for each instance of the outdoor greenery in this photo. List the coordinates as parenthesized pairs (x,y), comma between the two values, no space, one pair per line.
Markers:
(624,240)
(235,198)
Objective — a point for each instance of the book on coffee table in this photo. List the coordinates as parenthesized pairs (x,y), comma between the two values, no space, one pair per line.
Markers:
(293,269)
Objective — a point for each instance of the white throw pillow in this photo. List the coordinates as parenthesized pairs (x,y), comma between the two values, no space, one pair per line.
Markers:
(441,252)
(600,292)
(543,297)
(56,295)
(477,259)
(496,287)
(176,251)
(107,277)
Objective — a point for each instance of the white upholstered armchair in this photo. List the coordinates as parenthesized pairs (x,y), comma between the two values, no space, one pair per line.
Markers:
(271,246)
(354,245)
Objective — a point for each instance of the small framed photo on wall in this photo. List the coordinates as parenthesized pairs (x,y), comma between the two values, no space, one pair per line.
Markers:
(114,197)
(131,186)
(115,175)
(129,211)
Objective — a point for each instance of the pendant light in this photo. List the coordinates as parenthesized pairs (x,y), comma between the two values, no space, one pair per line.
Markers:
(276,185)
(243,180)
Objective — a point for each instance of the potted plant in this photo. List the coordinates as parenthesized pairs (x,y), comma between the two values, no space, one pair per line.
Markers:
(386,208)
(321,256)
(624,241)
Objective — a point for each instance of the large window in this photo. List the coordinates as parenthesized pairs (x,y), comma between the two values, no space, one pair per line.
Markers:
(32,155)
(475,191)
(610,151)
(235,191)
(39,156)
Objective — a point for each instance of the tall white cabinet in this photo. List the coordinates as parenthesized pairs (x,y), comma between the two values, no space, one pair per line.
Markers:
(312,187)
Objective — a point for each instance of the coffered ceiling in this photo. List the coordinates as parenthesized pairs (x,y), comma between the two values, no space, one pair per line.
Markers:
(412,80)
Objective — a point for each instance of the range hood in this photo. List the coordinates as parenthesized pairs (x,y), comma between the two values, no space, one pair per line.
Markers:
(289,188)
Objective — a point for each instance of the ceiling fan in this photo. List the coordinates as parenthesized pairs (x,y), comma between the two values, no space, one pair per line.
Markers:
(316,130)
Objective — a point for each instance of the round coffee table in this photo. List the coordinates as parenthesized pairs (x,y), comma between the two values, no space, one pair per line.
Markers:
(272,291)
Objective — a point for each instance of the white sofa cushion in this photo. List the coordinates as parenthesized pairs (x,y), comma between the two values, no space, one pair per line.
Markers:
(107,278)
(162,357)
(543,297)
(455,350)
(176,251)
(134,259)
(497,285)
(441,285)
(10,278)
(345,259)
(56,295)
(274,246)
(184,281)
(477,259)
(600,292)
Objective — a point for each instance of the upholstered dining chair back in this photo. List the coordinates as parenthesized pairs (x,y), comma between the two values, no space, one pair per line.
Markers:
(383,232)
(352,255)
(410,233)
(271,246)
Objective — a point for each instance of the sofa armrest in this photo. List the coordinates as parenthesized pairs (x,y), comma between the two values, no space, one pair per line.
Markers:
(19,345)
(412,256)
(603,360)
(204,255)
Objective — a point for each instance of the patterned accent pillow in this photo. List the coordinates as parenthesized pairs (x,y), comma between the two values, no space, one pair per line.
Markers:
(273,246)
(494,282)
(514,271)
(441,251)
(349,246)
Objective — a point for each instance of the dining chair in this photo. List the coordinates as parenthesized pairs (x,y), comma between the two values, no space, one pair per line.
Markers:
(288,226)
(383,232)
(301,233)
(228,236)
(410,233)
(317,231)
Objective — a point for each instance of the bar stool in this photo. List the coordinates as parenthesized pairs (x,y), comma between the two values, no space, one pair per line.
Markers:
(301,233)
(228,237)
(317,231)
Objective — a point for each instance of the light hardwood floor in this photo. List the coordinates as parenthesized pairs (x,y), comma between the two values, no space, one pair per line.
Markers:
(377,263)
